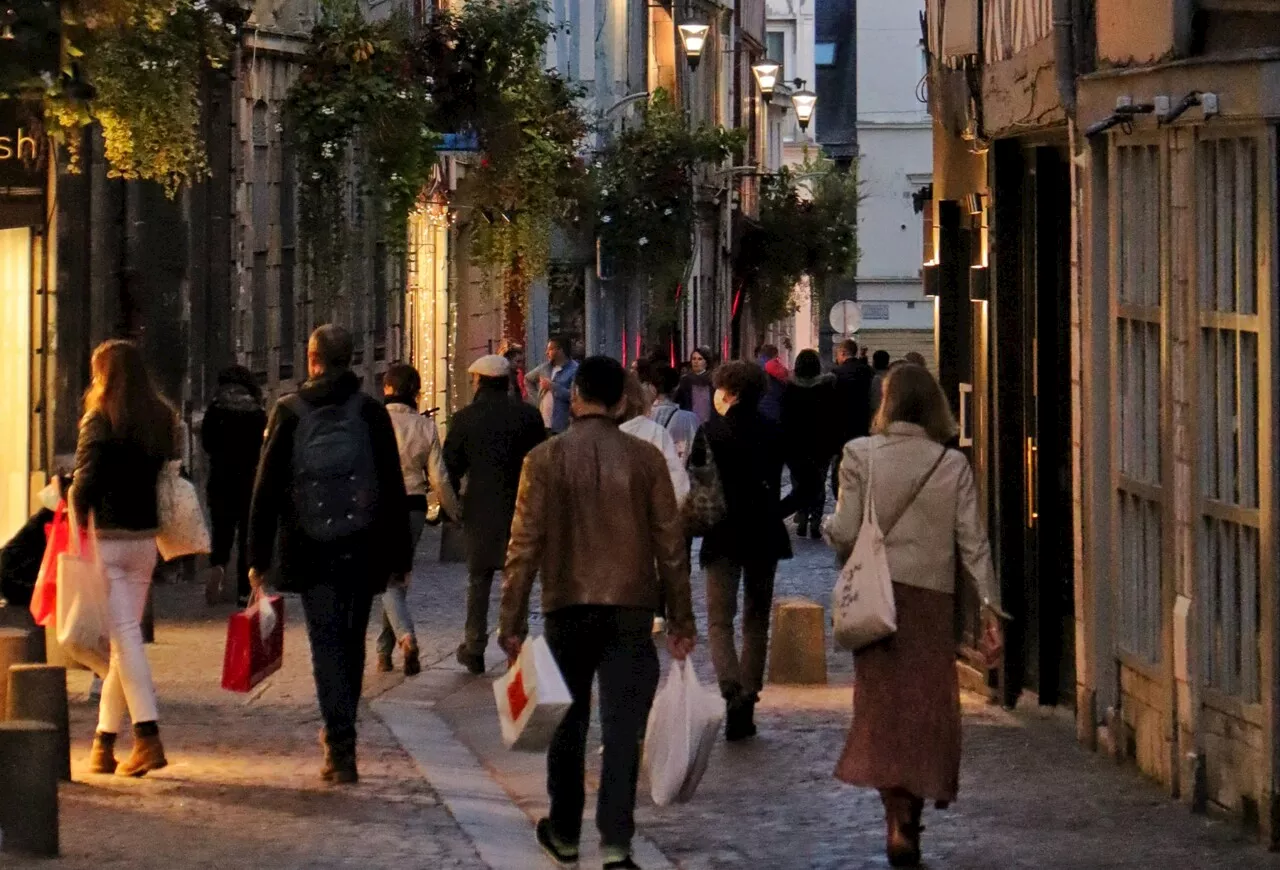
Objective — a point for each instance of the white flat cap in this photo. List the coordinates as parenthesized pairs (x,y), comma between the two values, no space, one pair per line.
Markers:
(491,366)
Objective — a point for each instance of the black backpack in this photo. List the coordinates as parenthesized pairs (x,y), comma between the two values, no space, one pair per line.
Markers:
(335,479)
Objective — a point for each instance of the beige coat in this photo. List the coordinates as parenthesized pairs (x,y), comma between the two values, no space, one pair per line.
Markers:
(941,523)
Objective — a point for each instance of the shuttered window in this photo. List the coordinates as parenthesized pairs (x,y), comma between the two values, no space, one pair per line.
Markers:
(1229,522)
(1138,311)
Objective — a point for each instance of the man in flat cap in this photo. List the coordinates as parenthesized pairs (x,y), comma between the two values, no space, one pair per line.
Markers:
(486,444)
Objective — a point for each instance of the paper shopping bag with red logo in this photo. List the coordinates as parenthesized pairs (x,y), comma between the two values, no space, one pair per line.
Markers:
(255,644)
(532,698)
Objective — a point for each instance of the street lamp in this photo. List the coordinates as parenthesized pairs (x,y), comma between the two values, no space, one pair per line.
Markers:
(766,73)
(694,38)
(803,100)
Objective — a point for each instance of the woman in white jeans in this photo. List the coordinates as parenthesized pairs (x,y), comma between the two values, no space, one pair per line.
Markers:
(127,434)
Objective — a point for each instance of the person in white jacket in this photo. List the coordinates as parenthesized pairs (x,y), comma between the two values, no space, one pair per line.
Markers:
(636,422)
(422,463)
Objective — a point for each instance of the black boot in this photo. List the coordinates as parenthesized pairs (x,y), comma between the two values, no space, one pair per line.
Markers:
(739,720)
(339,760)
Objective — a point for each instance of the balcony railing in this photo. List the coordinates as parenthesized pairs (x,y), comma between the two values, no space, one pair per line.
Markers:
(1010,27)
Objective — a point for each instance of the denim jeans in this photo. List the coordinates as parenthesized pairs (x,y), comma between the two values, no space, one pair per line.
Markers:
(614,644)
(397,622)
(476,632)
(739,673)
(337,615)
(128,565)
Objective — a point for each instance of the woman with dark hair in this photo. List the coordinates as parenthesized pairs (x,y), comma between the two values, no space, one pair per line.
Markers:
(905,736)
(744,548)
(422,464)
(127,434)
(231,434)
(696,389)
(809,432)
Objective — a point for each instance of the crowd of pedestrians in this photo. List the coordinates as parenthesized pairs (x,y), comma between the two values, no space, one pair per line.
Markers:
(575,475)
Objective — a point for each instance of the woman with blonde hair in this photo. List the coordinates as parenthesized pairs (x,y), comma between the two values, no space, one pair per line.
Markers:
(905,736)
(128,432)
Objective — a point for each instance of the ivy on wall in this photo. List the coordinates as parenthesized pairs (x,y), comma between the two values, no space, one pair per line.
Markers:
(807,226)
(134,67)
(644,185)
(361,118)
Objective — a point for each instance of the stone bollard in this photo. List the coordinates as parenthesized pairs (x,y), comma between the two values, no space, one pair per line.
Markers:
(14,650)
(29,800)
(798,649)
(38,693)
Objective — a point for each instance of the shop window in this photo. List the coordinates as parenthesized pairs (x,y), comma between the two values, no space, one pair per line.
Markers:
(1228,530)
(1137,307)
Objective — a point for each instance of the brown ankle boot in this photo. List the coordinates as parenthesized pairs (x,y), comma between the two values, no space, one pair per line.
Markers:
(412,663)
(339,760)
(902,824)
(148,752)
(102,757)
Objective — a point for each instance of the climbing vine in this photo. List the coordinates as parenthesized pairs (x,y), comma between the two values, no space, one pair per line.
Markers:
(135,67)
(645,188)
(361,119)
(807,226)
(492,84)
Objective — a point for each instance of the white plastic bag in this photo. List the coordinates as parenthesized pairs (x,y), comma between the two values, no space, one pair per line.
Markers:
(532,698)
(183,531)
(83,613)
(683,727)
(862,605)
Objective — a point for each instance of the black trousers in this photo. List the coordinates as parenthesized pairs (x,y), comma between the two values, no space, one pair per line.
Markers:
(476,631)
(809,496)
(337,618)
(229,497)
(615,644)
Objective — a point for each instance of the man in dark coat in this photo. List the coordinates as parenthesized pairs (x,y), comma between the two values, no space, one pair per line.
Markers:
(336,578)
(487,443)
(853,401)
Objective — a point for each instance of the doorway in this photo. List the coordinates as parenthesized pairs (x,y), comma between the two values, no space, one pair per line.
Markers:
(1032,422)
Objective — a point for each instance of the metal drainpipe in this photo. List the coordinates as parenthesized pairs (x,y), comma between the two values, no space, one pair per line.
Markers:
(1064,53)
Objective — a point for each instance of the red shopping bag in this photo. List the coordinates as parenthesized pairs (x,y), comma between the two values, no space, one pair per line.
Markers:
(44,598)
(255,644)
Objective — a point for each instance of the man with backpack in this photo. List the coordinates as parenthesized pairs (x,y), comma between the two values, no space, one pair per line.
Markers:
(682,426)
(330,481)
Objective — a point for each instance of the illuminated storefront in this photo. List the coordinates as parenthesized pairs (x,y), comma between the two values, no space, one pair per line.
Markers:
(23,313)
(429,313)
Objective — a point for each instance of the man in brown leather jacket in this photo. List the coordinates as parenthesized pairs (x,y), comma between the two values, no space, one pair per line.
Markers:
(596,516)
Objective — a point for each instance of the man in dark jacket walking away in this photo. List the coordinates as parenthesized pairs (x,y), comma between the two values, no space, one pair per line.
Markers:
(487,443)
(330,481)
(596,517)
(853,402)
(232,434)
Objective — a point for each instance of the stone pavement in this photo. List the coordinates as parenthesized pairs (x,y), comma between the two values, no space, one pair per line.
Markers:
(439,791)
(1030,797)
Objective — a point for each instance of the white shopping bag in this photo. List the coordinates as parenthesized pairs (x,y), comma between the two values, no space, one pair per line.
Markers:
(683,727)
(83,613)
(532,698)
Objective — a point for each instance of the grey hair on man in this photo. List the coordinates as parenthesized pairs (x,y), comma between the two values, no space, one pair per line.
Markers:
(331,348)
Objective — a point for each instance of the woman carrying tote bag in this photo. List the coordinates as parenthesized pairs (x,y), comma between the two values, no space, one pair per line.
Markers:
(127,434)
(905,736)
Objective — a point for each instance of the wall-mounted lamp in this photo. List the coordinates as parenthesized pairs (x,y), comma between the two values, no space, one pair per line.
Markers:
(804,101)
(694,38)
(932,275)
(979,283)
(766,73)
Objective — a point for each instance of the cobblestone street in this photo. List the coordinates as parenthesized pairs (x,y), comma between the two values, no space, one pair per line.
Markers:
(242,789)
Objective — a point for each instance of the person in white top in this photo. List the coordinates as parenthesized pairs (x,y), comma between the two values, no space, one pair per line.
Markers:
(635,422)
(422,463)
(681,425)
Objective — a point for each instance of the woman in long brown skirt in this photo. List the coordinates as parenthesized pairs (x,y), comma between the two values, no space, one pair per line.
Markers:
(905,736)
